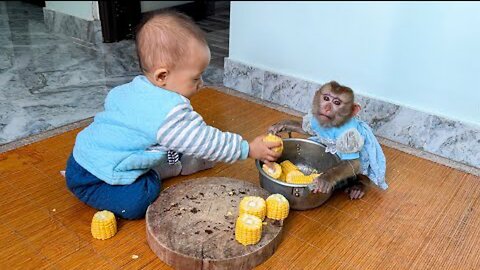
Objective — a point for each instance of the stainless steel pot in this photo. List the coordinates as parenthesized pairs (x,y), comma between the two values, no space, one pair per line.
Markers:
(308,156)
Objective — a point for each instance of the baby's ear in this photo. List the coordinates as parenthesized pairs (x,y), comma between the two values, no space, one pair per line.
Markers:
(160,76)
(356,109)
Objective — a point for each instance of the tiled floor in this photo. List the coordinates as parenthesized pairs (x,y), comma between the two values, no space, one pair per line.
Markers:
(49,80)
(429,218)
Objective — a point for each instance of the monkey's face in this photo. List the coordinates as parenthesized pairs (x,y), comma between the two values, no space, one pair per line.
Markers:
(331,109)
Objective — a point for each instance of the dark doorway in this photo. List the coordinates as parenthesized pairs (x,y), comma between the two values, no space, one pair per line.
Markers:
(35,2)
(119,18)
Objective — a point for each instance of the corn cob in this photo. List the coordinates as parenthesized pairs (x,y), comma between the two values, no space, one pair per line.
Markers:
(282,177)
(277,207)
(302,179)
(104,225)
(275,172)
(248,229)
(273,138)
(253,205)
(290,175)
(288,166)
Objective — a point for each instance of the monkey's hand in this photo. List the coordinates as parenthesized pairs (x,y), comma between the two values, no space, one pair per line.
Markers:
(286,126)
(322,185)
(355,191)
(276,128)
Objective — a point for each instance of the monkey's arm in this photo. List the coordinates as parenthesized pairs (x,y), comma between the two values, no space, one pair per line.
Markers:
(343,172)
(287,126)
(340,176)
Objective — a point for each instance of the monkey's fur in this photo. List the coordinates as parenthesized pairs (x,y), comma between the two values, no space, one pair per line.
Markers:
(333,105)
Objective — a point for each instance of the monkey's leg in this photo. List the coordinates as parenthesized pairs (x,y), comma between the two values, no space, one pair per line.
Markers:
(345,183)
(357,189)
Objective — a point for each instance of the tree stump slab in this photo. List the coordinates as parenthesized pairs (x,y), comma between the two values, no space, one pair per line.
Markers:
(191,225)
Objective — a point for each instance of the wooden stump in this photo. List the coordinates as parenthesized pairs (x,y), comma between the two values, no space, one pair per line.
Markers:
(192,226)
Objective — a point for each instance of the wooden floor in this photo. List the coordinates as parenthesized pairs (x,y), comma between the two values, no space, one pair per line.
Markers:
(429,218)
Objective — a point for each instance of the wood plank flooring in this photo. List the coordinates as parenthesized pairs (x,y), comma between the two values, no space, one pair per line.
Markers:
(429,218)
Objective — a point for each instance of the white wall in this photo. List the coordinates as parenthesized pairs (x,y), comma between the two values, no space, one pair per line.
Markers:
(422,55)
(87,10)
(146,6)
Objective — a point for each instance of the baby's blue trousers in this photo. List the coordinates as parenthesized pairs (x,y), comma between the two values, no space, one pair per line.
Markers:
(125,201)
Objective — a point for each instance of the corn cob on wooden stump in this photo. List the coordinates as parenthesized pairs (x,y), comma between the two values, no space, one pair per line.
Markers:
(192,225)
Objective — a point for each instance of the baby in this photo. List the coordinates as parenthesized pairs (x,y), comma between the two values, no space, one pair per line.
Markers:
(148,130)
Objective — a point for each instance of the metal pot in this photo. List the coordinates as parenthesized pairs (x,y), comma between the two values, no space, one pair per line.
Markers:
(308,156)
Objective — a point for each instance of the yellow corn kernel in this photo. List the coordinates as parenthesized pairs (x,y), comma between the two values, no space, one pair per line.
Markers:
(288,166)
(248,229)
(273,138)
(290,175)
(104,225)
(277,207)
(275,172)
(282,177)
(253,205)
(302,179)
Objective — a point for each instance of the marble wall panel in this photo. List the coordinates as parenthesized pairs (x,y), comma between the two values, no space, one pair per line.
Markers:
(440,136)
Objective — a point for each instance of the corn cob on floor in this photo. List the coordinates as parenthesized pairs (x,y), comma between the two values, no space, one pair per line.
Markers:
(428,219)
(104,225)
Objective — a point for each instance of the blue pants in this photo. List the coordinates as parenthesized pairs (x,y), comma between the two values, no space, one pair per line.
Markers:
(125,201)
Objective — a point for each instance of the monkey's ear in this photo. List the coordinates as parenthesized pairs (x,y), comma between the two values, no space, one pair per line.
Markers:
(356,109)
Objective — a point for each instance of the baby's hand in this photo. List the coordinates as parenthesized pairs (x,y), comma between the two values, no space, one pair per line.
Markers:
(263,150)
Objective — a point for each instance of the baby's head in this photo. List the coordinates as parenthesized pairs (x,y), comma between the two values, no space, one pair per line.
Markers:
(173,52)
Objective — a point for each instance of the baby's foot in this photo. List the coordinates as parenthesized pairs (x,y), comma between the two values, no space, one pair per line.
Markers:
(166,170)
(192,165)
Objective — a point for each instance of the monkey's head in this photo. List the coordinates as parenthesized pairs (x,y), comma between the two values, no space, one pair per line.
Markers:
(333,105)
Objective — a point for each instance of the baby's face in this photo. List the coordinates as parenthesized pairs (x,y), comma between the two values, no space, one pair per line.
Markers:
(186,78)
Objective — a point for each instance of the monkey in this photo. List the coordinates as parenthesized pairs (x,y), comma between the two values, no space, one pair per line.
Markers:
(332,122)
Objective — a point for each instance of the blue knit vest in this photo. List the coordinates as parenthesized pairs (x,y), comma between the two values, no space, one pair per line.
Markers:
(332,133)
(114,146)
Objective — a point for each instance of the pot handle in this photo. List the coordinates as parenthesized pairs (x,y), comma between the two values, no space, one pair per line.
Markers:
(301,191)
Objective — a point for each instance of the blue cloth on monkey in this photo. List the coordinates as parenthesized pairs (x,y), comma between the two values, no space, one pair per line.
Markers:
(352,140)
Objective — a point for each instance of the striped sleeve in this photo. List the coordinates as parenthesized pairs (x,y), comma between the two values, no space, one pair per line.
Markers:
(185,131)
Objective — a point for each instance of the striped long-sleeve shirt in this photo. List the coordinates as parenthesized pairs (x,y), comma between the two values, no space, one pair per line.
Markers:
(185,131)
